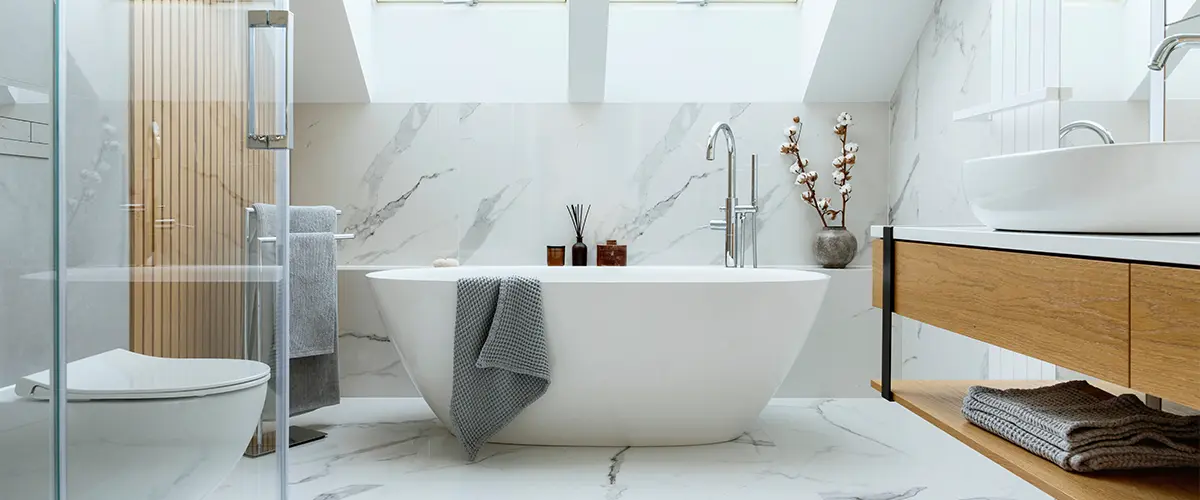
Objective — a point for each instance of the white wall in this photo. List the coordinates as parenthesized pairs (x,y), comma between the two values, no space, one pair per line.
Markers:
(668,53)
(518,53)
(453,53)
(22,62)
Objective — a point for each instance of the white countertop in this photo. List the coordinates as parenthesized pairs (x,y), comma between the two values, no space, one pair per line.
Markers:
(1183,250)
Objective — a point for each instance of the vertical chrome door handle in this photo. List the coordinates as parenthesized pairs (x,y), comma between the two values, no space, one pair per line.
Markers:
(259,21)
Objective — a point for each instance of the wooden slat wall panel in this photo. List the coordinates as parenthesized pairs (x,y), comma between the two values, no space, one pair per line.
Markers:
(189,77)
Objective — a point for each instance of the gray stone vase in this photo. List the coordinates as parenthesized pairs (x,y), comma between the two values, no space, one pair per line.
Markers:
(834,247)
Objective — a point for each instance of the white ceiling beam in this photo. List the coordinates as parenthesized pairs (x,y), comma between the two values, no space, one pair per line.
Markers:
(587,50)
(329,56)
(865,49)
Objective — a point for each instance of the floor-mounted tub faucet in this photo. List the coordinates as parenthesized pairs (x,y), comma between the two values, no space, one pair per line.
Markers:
(735,215)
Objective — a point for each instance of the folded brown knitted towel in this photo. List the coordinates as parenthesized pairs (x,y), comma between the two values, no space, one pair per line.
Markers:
(1073,415)
(1082,428)
(1100,456)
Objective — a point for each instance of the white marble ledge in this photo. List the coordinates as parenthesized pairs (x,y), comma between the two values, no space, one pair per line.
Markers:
(1183,250)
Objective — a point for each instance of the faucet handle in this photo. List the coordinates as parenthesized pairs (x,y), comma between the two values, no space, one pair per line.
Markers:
(716,225)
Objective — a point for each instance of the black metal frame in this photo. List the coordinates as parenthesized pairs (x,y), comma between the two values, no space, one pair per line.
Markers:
(889,306)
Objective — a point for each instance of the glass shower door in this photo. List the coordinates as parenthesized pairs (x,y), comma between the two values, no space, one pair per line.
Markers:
(27,201)
(174,123)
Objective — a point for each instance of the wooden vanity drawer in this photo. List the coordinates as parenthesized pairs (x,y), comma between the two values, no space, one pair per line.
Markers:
(1073,313)
(1164,357)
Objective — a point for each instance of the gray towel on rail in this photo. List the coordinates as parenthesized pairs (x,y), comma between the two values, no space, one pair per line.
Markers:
(314,381)
(501,362)
(1083,429)
(318,219)
(313,274)
(314,312)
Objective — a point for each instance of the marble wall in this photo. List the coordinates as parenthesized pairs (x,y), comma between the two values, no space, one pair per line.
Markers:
(948,71)
(487,184)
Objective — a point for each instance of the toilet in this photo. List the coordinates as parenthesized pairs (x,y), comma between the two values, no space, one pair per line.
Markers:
(137,426)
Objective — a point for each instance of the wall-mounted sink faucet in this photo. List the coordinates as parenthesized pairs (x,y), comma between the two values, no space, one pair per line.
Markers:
(1162,53)
(1099,129)
(735,214)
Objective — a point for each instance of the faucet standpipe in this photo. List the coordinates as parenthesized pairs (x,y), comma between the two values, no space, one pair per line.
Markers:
(735,214)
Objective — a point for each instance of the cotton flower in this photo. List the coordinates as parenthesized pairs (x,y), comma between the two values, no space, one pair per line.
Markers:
(795,170)
(812,176)
(823,203)
(795,119)
(851,147)
(801,180)
(90,175)
(845,119)
(850,158)
(804,162)
(807,195)
(792,130)
(839,176)
(845,190)
(89,193)
(839,161)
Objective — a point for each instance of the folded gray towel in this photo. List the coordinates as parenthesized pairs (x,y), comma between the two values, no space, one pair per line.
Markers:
(1134,453)
(1083,429)
(501,363)
(1073,414)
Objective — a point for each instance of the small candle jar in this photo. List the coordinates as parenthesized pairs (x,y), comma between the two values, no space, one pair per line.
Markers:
(556,255)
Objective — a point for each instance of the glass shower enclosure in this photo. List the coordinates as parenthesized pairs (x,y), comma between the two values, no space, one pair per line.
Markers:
(143,300)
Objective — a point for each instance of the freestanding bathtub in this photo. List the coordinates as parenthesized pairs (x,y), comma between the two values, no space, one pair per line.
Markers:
(639,356)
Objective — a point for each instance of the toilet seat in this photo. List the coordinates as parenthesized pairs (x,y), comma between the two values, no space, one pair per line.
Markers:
(122,375)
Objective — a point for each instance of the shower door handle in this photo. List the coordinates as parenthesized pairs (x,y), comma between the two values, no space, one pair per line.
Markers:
(278,25)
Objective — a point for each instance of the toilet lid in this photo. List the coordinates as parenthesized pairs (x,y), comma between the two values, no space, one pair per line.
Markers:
(120,374)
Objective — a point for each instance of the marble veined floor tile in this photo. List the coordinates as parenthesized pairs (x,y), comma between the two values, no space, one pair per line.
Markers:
(819,449)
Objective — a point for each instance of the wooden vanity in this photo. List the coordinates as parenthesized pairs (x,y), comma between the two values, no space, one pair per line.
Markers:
(1123,309)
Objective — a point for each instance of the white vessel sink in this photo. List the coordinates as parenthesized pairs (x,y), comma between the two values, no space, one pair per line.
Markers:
(1133,188)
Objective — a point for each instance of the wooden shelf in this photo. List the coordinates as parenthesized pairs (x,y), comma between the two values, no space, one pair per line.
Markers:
(940,403)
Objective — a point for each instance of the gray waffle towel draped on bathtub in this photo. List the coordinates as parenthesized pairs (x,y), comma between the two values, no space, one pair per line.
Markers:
(501,363)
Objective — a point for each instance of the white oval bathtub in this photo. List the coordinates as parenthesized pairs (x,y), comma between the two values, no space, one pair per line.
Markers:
(639,356)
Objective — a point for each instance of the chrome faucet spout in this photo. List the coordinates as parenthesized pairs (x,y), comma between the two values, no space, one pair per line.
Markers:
(1162,53)
(731,220)
(1099,129)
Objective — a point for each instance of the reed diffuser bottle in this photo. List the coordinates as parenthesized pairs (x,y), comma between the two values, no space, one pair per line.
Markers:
(579,216)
